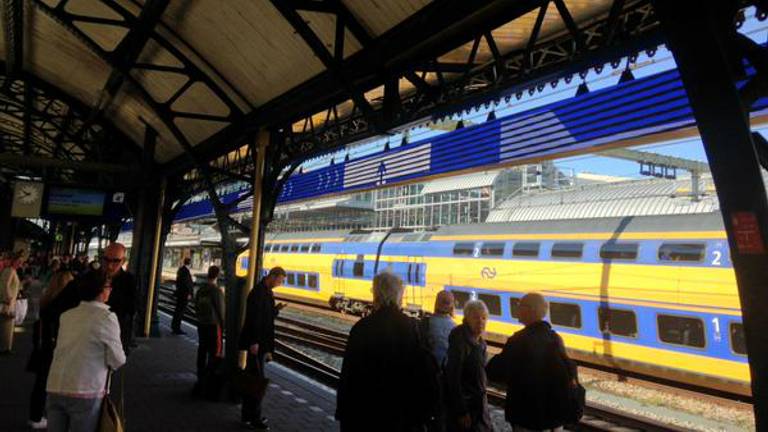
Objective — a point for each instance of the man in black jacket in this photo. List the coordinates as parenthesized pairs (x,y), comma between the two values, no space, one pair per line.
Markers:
(122,300)
(387,381)
(184,288)
(258,337)
(536,370)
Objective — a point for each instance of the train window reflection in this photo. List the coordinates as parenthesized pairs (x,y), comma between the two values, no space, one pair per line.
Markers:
(304,248)
(268,247)
(493,302)
(460,298)
(693,252)
(679,330)
(464,249)
(312,281)
(492,249)
(295,247)
(526,249)
(619,251)
(290,279)
(738,343)
(618,322)
(514,303)
(315,248)
(301,279)
(570,250)
(285,247)
(565,314)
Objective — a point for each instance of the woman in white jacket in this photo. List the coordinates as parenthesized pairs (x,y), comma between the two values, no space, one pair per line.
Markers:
(9,290)
(87,347)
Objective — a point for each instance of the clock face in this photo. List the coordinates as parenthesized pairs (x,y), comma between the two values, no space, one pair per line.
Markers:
(28,194)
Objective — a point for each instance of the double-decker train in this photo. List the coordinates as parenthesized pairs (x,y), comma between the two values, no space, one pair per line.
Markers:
(651,294)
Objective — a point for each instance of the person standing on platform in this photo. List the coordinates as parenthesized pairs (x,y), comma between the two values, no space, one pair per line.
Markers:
(10,285)
(122,301)
(538,374)
(388,379)
(184,289)
(465,380)
(88,347)
(209,305)
(258,337)
(435,331)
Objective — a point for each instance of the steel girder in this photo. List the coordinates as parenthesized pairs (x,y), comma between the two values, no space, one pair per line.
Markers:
(41,122)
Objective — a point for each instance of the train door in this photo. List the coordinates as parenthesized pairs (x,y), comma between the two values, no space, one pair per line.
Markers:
(338,276)
(414,297)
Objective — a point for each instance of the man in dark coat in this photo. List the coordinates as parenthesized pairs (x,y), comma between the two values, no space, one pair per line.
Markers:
(536,370)
(122,300)
(258,337)
(184,289)
(386,381)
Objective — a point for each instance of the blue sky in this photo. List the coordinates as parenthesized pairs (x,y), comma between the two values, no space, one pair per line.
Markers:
(690,148)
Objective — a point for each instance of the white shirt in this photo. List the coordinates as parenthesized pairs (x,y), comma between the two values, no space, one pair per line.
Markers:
(88,343)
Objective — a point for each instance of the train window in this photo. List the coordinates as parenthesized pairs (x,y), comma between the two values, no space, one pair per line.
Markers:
(619,251)
(304,248)
(301,279)
(315,248)
(285,247)
(358,269)
(570,250)
(290,279)
(295,247)
(464,249)
(679,330)
(693,252)
(493,302)
(738,343)
(514,303)
(460,298)
(526,249)
(312,281)
(492,249)
(565,314)
(618,322)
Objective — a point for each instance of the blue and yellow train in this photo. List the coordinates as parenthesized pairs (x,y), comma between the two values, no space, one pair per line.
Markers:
(654,295)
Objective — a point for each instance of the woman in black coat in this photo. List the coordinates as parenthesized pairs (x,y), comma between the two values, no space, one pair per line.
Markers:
(465,381)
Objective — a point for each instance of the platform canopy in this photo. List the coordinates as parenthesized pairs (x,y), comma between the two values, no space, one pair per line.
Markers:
(205,75)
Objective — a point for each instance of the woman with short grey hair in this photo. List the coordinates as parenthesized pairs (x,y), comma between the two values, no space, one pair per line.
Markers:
(465,393)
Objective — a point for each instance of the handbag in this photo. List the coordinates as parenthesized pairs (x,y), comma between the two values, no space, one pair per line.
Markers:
(249,384)
(110,419)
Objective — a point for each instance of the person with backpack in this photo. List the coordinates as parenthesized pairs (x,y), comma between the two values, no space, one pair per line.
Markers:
(209,305)
(543,392)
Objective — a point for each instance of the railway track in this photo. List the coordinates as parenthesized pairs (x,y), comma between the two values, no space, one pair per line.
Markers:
(296,332)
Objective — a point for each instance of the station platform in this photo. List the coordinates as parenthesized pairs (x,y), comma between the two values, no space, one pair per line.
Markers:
(158,378)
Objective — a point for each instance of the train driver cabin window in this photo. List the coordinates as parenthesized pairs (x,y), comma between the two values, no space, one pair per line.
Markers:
(464,249)
(460,298)
(690,252)
(617,322)
(565,314)
(678,330)
(619,251)
(492,249)
(526,249)
(358,269)
(738,343)
(567,250)
(493,302)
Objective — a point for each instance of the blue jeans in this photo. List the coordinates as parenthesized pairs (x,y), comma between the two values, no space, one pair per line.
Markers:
(70,414)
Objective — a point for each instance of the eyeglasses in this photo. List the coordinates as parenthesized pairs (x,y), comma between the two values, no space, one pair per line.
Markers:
(112,260)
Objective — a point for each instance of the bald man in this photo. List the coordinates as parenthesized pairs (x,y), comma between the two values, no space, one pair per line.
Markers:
(122,300)
(538,374)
